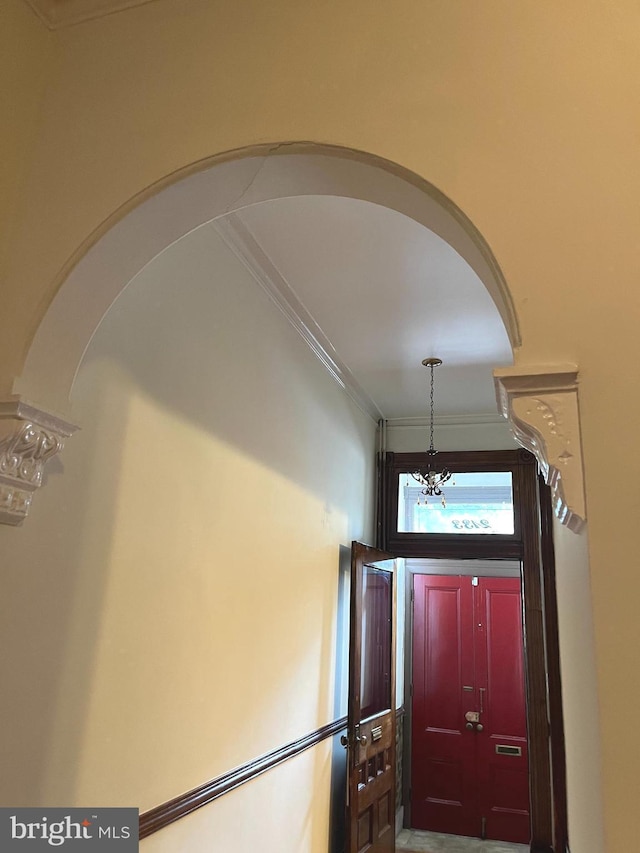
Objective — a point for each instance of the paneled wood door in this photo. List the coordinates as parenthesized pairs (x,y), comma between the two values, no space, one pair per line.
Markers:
(371,738)
(469,746)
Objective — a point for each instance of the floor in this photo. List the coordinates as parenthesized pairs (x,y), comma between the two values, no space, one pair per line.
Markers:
(417,841)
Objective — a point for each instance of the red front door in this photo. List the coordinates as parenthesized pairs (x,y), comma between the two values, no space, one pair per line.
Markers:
(469,747)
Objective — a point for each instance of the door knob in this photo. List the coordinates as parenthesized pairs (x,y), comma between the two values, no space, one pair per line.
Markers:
(469,725)
(479,727)
(344,740)
(362,740)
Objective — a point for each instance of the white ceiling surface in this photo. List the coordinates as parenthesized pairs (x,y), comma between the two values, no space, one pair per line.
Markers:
(387,292)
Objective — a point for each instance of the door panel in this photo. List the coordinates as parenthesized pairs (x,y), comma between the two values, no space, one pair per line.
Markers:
(503,771)
(469,746)
(443,755)
(371,739)
(375,643)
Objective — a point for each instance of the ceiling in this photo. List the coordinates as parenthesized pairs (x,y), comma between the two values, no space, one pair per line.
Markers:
(380,292)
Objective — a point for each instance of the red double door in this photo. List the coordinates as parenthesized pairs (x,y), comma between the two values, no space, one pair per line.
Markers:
(469,745)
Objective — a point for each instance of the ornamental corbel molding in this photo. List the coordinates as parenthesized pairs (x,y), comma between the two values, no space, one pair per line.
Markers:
(541,405)
(29,438)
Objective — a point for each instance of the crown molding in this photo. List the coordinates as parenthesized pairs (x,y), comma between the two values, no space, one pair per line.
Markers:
(250,253)
(541,404)
(29,438)
(56,14)
(446,420)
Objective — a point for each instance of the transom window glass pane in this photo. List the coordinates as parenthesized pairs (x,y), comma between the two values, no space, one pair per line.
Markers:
(478,503)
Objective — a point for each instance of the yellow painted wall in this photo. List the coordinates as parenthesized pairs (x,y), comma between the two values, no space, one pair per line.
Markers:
(177,591)
(524,114)
(25,54)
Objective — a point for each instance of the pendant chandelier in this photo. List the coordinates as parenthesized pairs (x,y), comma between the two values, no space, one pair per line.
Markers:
(433,480)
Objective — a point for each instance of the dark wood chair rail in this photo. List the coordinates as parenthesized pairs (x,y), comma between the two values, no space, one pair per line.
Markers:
(162,815)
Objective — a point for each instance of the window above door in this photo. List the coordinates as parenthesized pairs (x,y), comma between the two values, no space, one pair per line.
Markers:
(477,502)
(478,513)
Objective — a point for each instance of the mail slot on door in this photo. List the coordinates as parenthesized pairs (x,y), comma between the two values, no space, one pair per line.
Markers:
(376,733)
(503,749)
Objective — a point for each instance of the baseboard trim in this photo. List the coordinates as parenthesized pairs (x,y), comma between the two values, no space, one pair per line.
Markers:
(161,816)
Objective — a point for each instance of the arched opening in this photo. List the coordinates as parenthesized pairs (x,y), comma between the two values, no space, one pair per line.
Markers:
(165,227)
(131,239)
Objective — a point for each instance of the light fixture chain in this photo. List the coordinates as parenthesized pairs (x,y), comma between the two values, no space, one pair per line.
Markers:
(431,422)
(433,480)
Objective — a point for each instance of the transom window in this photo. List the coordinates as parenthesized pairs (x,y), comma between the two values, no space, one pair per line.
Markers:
(479,502)
(482,512)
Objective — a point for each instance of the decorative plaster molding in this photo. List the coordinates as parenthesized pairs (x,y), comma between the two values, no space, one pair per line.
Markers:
(65,13)
(542,407)
(29,437)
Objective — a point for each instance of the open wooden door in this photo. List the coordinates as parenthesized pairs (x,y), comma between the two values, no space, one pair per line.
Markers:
(371,738)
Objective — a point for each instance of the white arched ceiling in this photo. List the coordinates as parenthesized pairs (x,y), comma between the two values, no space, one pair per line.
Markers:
(233,185)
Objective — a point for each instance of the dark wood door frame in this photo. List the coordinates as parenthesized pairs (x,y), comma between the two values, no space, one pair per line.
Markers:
(532,544)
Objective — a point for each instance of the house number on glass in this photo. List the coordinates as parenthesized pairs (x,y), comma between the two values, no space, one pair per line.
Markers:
(470,523)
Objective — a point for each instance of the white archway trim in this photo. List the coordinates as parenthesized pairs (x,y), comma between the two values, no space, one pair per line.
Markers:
(29,437)
(131,239)
(541,404)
